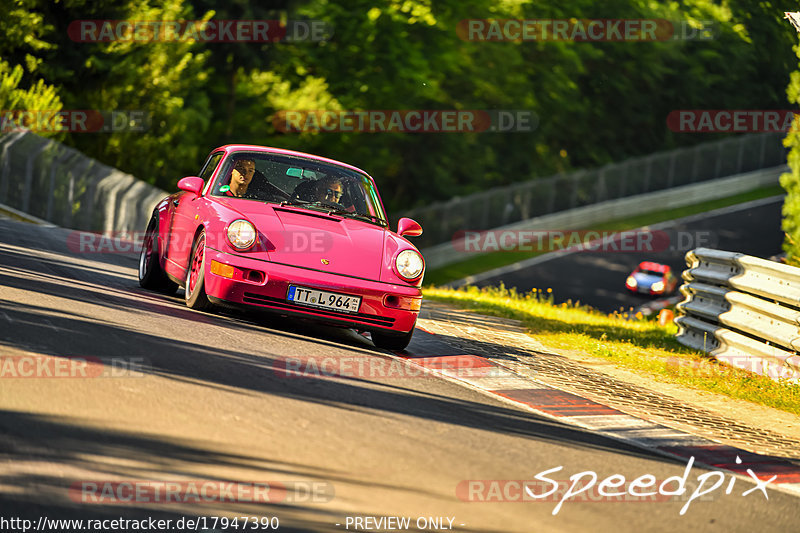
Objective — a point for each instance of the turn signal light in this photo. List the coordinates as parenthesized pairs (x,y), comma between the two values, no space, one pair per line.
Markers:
(221,269)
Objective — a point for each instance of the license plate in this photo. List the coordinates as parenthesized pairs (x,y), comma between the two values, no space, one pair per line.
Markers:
(326,300)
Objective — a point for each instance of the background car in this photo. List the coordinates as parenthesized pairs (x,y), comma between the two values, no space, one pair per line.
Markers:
(652,278)
(308,238)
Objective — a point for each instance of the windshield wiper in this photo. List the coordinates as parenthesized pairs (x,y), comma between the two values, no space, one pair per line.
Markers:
(335,211)
(364,216)
(296,201)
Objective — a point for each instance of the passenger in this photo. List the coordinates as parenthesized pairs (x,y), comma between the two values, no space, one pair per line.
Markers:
(330,189)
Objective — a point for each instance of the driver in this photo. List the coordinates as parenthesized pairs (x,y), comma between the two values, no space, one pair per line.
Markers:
(330,189)
(241,175)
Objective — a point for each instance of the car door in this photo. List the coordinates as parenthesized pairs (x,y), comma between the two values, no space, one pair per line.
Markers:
(185,217)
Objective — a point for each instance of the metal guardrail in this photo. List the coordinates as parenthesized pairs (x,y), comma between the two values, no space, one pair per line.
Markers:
(589,216)
(541,196)
(742,310)
(51,181)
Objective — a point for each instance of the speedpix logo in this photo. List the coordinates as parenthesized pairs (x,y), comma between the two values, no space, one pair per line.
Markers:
(587,486)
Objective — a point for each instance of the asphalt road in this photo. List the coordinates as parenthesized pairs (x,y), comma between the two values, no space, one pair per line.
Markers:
(209,405)
(597,278)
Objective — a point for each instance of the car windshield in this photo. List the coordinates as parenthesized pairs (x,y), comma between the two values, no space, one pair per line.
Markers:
(301,182)
(651,273)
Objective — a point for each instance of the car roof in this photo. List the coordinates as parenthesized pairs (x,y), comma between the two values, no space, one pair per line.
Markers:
(655,267)
(228,148)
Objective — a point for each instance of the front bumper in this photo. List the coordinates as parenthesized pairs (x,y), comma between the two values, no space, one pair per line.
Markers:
(645,290)
(381,303)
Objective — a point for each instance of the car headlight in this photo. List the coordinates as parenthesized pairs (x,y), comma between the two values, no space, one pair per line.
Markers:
(631,282)
(409,264)
(241,234)
(658,286)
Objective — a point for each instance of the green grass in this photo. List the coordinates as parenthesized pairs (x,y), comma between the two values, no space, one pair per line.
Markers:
(634,343)
(482,263)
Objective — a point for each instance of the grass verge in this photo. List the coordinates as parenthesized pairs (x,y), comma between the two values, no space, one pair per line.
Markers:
(482,263)
(639,345)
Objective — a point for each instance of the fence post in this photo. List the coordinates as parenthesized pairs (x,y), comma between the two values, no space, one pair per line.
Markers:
(647,173)
(740,158)
(573,199)
(671,177)
(696,163)
(81,163)
(622,182)
(26,192)
(6,164)
(51,197)
(601,189)
(718,166)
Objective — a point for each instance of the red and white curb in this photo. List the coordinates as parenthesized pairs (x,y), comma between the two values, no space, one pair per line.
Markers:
(481,373)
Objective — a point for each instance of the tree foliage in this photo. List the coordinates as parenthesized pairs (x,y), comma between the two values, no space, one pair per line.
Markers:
(596,102)
(791,180)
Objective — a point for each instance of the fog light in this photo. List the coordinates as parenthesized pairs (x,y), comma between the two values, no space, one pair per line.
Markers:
(255,276)
(402,302)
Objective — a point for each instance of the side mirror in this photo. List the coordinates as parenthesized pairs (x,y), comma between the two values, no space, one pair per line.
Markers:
(408,227)
(191,184)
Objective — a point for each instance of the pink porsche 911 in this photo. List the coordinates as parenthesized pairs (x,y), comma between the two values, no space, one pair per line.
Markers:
(287,232)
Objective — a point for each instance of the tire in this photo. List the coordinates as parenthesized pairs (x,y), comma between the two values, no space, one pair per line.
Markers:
(151,275)
(196,297)
(391,342)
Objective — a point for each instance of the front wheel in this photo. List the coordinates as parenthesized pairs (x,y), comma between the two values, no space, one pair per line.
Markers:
(195,276)
(151,275)
(391,342)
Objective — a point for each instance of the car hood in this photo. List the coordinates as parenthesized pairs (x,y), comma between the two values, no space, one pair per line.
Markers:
(313,239)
